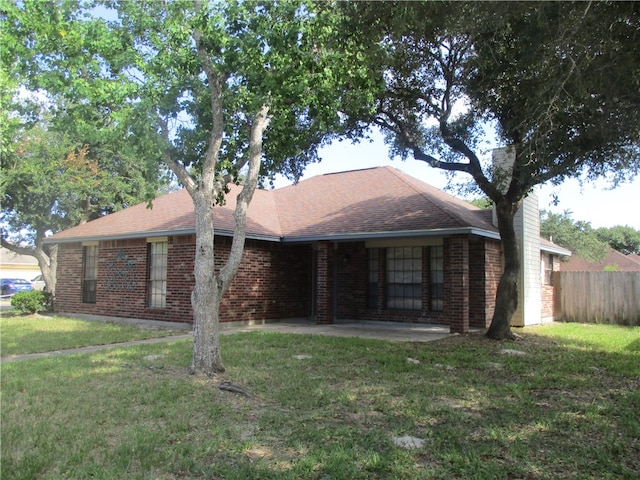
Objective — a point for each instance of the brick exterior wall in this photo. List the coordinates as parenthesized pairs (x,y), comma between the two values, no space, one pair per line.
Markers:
(324,285)
(352,266)
(456,286)
(549,297)
(273,282)
(548,303)
(485,269)
(493,272)
(480,279)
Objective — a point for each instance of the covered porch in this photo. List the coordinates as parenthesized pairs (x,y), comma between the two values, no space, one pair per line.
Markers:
(447,283)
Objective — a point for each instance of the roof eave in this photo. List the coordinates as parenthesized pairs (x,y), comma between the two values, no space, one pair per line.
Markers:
(555,249)
(157,233)
(438,232)
(124,236)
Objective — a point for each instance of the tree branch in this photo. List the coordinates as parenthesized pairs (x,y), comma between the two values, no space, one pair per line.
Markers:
(179,170)
(217,129)
(258,127)
(16,249)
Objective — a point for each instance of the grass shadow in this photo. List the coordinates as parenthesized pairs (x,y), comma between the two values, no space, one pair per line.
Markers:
(327,407)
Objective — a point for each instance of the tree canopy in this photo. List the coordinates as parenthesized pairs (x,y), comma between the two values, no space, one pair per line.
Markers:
(67,154)
(584,240)
(224,92)
(623,238)
(575,235)
(557,82)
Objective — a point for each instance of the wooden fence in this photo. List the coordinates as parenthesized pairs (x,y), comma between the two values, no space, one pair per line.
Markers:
(598,297)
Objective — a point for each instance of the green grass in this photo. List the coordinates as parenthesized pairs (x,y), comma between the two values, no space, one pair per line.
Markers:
(20,334)
(326,407)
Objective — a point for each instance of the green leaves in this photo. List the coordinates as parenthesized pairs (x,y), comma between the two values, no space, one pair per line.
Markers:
(577,236)
(560,80)
(72,146)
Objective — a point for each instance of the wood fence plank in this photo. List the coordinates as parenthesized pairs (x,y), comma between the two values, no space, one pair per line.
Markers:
(598,297)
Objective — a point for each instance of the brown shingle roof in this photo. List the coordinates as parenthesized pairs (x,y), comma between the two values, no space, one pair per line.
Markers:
(635,257)
(366,202)
(376,200)
(174,213)
(170,212)
(614,260)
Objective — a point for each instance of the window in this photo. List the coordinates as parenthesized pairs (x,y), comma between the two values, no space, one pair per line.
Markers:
(436,276)
(547,265)
(372,282)
(157,278)
(404,278)
(89,273)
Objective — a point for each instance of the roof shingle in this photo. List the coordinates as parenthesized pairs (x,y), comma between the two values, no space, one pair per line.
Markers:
(359,202)
(375,200)
(614,260)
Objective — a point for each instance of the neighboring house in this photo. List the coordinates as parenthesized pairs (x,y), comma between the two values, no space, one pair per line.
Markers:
(635,257)
(613,262)
(13,265)
(373,244)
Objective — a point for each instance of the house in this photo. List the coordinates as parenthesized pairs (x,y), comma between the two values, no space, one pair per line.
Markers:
(14,265)
(372,244)
(614,261)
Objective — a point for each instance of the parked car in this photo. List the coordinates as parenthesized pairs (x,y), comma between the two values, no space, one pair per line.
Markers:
(38,283)
(10,286)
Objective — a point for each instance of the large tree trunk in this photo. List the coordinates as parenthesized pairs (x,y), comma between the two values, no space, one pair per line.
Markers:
(48,262)
(211,285)
(206,295)
(507,294)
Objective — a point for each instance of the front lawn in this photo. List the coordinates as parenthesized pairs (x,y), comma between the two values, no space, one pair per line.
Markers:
(20,334)
(562,402)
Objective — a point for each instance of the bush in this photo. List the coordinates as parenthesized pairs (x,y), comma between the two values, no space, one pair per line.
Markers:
(31,302)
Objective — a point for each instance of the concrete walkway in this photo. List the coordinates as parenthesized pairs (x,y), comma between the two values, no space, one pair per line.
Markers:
(395,332)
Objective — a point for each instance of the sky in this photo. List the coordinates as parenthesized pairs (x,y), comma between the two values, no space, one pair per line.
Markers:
(595,203)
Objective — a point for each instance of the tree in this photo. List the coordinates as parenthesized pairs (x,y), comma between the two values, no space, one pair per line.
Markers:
(50,184)
(65,158)
(482,202)
(558,82)
(577,236)
(625,239)
(231,91)
(587,242)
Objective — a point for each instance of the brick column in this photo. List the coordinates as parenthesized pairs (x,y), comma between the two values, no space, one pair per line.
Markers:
(457,278)
(324,284)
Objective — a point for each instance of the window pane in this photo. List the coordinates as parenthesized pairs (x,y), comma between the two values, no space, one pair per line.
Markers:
(372,287)
(89,273)
(157,274)
(436,275)
(404,278)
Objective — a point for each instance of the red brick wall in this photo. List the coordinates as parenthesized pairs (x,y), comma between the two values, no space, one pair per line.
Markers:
(477,293)
(324,286)
(482,277)
(548,296)
(352,265)
(456,286)
(352,289)
(273,281)
(485,268)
